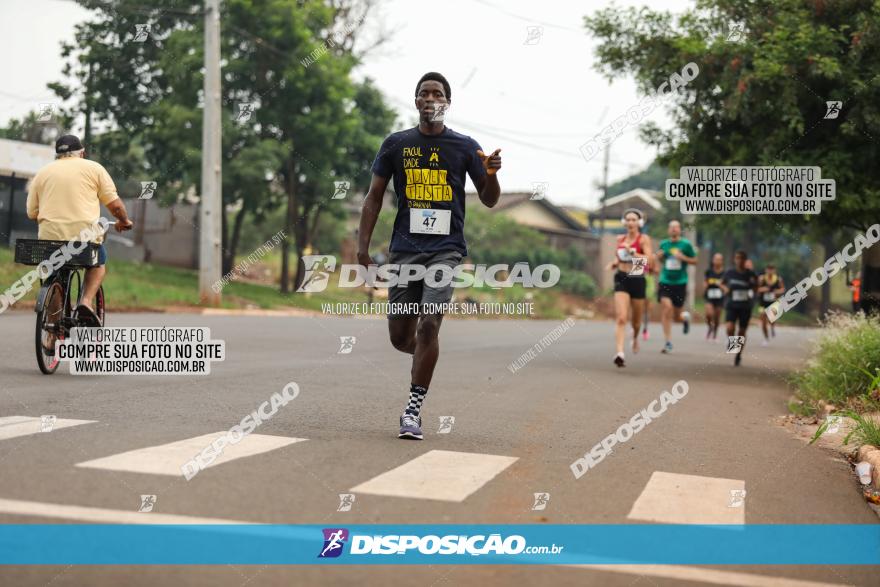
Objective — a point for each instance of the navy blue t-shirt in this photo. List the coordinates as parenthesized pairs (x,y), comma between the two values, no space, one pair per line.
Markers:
(429,174)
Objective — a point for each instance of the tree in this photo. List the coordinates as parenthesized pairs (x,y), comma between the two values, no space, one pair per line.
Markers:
(31,129)
(767,68)
(291,113)
(652,177)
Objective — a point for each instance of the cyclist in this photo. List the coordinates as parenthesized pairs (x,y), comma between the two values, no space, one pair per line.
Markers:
(65,197)
(632,260)
(714,295)
(770,287)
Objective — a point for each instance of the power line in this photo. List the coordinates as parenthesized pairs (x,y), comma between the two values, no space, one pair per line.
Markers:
(531,20)
(477,128)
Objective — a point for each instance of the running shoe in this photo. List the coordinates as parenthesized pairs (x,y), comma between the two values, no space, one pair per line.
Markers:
(686,318)
(410,426)
(87,317)
(618,360)
(667,348)
(765,342)
(645,334)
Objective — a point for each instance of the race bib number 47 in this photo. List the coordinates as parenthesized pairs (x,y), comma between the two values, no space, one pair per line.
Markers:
(429,221)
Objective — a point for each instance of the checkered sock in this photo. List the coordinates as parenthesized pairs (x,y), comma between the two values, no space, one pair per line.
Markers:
(417,395)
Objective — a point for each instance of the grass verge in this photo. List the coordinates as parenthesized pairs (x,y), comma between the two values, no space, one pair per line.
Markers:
(844,369)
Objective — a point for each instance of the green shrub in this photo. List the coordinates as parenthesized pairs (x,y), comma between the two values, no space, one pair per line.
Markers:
(866,430)
(845,364)
(577,283)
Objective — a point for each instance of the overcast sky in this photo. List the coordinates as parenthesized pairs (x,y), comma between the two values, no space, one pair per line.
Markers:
(537,101)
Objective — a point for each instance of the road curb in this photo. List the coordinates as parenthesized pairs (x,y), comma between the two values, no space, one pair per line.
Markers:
(834,442)
(255,312)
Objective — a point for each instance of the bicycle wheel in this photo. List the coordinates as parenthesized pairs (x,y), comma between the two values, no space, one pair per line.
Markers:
(50,328)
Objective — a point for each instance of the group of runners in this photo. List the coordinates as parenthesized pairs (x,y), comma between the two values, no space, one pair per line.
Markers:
(429,164)
(735,289)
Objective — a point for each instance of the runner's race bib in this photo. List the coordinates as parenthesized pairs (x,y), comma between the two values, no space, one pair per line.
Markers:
(429,221)
(769,296)
(639,265)
(740,295)
(714,293)
(673,264)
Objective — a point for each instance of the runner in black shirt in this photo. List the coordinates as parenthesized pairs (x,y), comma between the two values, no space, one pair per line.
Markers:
(770,287)
(428,164)
(739,285)
(714,295)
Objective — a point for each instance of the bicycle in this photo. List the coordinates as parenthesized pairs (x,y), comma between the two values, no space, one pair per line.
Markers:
(55,306)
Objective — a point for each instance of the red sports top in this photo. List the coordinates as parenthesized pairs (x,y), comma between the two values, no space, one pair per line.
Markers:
(625,251)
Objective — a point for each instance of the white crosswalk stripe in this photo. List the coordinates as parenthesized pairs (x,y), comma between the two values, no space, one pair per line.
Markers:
(15,426)
(167,459)
(438,474)
(672,498)
(705,575)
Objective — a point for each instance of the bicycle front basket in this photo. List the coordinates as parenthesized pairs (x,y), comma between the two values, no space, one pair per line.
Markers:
(33,252)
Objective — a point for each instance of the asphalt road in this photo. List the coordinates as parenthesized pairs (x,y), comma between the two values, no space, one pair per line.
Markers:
(720,436)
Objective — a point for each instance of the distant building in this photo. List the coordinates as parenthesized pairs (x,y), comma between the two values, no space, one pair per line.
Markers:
(560,229)
(648,201)
(19,162)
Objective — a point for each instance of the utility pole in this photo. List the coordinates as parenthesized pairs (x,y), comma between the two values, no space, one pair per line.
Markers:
(87,139)
(211,197)
(690,233)
(604,187)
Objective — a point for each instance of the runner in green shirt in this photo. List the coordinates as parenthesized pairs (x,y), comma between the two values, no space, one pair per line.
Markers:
(673,256)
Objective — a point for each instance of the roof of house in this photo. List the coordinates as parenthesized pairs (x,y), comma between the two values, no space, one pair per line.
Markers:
(581,215)
(514,199)
(649,197)
(23,159)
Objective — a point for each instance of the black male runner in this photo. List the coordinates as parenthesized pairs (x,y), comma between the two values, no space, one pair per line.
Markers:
(428,164)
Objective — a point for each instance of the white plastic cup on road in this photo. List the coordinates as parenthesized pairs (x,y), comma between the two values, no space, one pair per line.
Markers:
(864,471)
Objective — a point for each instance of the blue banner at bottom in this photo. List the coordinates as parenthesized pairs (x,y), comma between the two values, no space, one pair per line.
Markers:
(251,544)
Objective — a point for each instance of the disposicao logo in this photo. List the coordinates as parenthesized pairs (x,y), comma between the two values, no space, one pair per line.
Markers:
(334,541)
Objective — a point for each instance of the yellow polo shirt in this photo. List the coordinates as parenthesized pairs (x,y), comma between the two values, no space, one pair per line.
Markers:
(65,197)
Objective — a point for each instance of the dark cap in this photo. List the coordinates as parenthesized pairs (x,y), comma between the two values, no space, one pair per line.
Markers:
(67,144)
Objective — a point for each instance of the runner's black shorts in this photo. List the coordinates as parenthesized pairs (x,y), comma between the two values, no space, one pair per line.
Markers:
(405,301)
(634,285)
(676,293)
(739,314)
